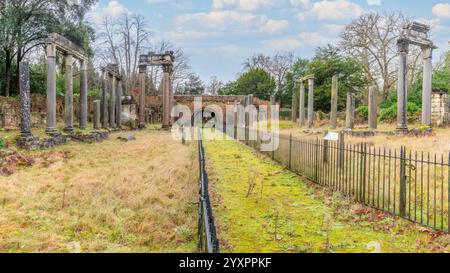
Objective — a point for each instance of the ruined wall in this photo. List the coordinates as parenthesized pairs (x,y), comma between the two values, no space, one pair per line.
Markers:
(440,108)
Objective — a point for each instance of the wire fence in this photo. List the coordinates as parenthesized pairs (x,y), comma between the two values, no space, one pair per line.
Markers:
(411,184)
(207,236)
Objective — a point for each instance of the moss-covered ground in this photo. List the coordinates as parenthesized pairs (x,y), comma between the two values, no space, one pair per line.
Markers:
(262,207)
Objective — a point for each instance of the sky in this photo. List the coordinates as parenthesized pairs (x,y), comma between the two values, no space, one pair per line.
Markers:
(219,35)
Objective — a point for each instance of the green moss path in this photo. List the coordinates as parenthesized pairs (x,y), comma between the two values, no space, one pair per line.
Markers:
(283,213)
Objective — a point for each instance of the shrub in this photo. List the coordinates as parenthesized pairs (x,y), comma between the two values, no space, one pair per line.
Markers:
(363,111)
(390,114)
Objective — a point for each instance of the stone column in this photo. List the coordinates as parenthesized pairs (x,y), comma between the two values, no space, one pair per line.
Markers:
(403,49)
(119,104)
(97,114)
(427,85)
(334,102)
(272,100)
(142,79)
(294,103)
(167,107)
(51,89)
(112,103)
(83,95)
(68,94)
(350,112)
(25,104)
(104,100)
(302,103)
(311,103)
(373,106)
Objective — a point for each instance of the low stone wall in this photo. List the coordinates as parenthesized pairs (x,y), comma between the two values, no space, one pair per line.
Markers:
(35,144)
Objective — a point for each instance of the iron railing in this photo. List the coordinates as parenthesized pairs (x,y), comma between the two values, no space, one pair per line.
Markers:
(410,184)
(207,236)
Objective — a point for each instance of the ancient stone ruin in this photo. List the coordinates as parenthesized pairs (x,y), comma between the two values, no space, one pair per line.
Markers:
(166,61)
(111,103)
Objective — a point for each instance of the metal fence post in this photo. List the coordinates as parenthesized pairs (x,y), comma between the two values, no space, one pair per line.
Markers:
(325,149)
(362,180)
(402,205)
(341,150)
(290,152)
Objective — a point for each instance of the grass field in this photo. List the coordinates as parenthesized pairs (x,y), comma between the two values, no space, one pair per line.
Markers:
(114,196)
(261,207)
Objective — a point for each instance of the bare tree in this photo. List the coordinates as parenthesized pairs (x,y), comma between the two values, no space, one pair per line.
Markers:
(121,41)
(214,86)
(278,66)
(372,39)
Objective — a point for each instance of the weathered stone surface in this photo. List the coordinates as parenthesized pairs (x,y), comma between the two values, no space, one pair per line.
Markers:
(92,137)
(51,89)
(34,143)
(334,102)
(373,108)
(25,104)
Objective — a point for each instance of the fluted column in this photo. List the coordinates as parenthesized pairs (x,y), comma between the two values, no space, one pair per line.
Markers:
(104,104)
(334,102)
(51,89)
(167,97)
(112,102)
(403,49)
(350,112)
(302,103)
(311,103)
(25,104)
(294,103)
(373,106)
(142,79)
(97,114)
(68,94)
(119,104)
(83,95)
(427,85)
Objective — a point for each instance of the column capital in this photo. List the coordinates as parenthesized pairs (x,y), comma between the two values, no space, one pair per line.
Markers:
(168,68)
(403,46)
(84,65)
(427,52)
(68,60)
(51,50)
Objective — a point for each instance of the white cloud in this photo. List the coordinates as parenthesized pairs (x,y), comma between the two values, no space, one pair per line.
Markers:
(335,28)
(301,3)
(441,10)
(113,9)
(246,5)
(374,2)
(313,38)
(332,10)
(288,43)
(274,26)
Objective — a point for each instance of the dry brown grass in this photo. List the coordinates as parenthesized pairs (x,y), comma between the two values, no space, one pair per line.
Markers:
(110,197)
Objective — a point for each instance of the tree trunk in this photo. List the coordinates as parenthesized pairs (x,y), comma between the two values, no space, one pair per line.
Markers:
(8,75)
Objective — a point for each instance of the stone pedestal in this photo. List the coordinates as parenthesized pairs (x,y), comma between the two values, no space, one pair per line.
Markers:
(311,103)
(403,49)
(83,95)
(142,80)
(440,108)
(97,115)
(373,106)
(25,103)
(302,104)
(334,103)
(68,95)
(51,90)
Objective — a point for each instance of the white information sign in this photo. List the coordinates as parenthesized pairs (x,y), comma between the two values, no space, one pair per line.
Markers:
(332,137)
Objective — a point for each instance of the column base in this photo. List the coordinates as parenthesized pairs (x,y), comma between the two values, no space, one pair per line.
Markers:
(401,130)
(167,127)
(51,131)
(141,126)
(69,130)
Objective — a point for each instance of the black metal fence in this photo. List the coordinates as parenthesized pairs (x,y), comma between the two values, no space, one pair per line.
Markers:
(410,184)
(207,236)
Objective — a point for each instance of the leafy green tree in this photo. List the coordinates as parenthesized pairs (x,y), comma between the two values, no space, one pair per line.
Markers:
(299,69)
(255,82)
(193,86)
(228,89)
(329,61)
